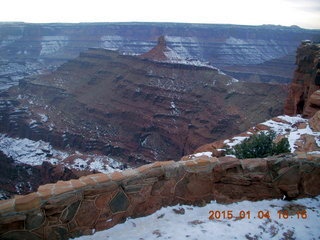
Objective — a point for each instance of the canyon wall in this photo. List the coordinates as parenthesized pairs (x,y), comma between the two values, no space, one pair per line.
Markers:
(254,53)
(100,201)
(304,93)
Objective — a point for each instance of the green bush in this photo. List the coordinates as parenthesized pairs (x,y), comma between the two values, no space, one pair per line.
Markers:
(260,145)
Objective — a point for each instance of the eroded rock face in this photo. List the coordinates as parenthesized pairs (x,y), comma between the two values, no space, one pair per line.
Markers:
(158,53)
(134,109)
(315,122)
(304,93)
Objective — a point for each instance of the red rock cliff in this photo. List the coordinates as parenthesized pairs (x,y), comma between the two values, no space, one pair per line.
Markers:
(304,93)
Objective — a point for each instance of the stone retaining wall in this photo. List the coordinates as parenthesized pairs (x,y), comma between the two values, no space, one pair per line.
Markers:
(96,202)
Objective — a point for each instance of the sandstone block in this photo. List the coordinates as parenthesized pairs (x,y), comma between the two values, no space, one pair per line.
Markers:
(200,165)
(87,214)
(175,170)
(56,233)
(290,190)
(288,176)
(236,180)
(69,212)
(130,173)
(315,122)
(197,189)
(46,191)
(145,168)
(229,162)
(254,165)
(162,163)
(87,181)
(117,176)
(27,202)
(63,200)
(77,184)
(119,203)
(6,206)
(34,220)
(309,181)
(315,98)
(100,177)
(103,200)
(98,189)
(12,218)
(63,187)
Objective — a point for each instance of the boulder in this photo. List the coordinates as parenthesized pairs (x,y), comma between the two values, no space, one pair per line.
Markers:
(314,122)
(315,98)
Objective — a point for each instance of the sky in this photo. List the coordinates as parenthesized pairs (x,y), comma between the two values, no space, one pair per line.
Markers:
(304,13)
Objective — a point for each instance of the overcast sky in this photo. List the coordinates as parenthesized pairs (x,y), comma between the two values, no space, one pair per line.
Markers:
(304,13)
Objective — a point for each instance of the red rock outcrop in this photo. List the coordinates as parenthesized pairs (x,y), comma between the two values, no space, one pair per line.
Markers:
(158,53)
(304,94)
(314,122)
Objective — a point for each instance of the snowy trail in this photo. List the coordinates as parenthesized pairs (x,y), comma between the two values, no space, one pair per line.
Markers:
(189,222)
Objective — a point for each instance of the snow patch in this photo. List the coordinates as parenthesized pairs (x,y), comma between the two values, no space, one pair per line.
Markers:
(52,44)
(112,42)
(208,154)
(318,141)
(36,152)
(235,41)
(44,118)
(234,141)
(186,47)
(292,128)
(28,151)
(195,223)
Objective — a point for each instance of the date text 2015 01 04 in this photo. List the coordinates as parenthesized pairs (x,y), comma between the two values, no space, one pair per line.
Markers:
(245,214)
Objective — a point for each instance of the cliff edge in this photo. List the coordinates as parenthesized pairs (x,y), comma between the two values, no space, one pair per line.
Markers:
(304,93)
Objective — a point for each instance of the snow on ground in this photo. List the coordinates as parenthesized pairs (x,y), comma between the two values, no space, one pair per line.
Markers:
(28,151)
(291,127)
(208,154)
(111,42)
(36,152)
(52,44)
(234,141)
(44,118)
(102,164)
(189,222)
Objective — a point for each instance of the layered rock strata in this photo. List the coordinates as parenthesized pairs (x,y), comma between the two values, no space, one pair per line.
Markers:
(135,110)
(258,53)
(304,93)
(96,202)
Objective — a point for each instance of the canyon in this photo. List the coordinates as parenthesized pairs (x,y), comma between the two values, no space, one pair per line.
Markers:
(134,109)
(123,109)
(142,110)
(251,53)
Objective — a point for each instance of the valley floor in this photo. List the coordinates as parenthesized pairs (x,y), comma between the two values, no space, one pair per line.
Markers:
(189,222)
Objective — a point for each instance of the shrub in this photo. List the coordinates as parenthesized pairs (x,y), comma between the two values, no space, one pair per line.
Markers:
(260,145)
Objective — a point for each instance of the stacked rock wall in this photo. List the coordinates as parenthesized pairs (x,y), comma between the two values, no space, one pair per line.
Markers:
(96,202)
